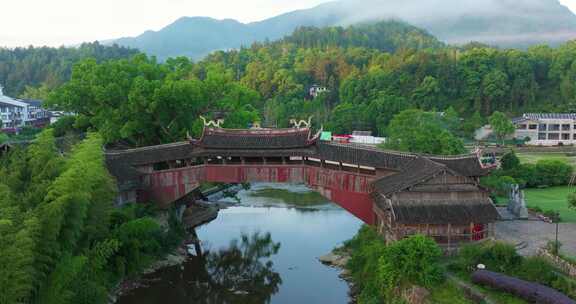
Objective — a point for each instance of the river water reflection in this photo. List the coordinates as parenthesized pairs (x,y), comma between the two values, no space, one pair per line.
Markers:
(263,251)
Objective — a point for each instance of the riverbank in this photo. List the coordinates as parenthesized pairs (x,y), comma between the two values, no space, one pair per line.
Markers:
(189,219)
(176,257)
(339,259)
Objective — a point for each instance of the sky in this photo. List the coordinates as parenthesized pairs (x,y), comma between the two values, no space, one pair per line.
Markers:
(69,22)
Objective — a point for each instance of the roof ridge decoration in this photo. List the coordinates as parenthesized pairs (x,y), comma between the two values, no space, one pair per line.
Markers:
(298,124)
(258,132)
(262,139)
(216,124)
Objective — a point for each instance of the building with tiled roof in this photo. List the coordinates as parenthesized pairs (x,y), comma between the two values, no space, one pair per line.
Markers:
(546,129)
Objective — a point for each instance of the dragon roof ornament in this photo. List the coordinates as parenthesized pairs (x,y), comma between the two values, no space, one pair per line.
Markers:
(302,123)
(214,123)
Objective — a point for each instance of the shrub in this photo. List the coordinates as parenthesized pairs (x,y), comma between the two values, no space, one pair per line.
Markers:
(536,209)
(554,172)
(543,173)
(510,161)
(468,257)
(499,184)
(411,261)
(553,215)
(565,285)
(537,269)
(497,256)
(572,201)
(366,247)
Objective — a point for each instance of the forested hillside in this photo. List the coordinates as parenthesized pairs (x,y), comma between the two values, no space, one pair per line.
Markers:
(503,23)
(387,36)
(49,67)
(158,102)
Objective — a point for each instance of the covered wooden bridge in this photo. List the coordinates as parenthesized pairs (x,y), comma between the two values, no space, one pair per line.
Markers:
(400,193)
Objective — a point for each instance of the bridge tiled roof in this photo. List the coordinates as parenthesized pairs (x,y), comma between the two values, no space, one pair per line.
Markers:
(152,154)
(458,212)
(413,173)
(363,155)
(261,139)
(467,165)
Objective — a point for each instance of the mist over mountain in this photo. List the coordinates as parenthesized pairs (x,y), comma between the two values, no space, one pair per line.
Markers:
(505,23)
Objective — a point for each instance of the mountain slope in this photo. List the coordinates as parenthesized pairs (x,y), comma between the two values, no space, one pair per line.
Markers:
(506,23)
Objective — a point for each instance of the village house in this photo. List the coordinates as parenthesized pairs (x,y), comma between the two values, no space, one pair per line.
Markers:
(316,90)
(549,129)
(17,113)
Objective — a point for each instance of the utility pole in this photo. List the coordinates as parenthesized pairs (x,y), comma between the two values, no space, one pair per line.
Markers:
(557,224)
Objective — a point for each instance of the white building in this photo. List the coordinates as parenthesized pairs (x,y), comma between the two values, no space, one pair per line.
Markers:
(546,129)
(366,138)
(316,90)
(17,113)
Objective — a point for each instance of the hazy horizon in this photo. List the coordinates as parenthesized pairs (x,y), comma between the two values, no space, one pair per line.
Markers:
(69,22)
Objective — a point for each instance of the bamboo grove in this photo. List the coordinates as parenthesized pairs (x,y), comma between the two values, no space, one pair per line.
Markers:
(61,239)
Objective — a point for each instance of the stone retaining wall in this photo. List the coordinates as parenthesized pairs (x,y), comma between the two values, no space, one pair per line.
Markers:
(562,264)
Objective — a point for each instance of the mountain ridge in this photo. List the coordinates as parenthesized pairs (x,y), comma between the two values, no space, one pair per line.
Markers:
(503,23)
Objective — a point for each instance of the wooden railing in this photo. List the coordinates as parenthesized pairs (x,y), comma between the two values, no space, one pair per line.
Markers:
(448,239)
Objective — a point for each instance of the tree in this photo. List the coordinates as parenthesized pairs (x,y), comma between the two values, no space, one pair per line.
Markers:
(412,261)
(426,94)
(472,124)
(452,120)
(510,161)
(501,125)
(494,87)
(418,131)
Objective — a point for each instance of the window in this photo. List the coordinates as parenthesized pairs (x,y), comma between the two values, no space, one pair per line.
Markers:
(553,136)
(565,136)
(554,127)
(542,136)
(542,127)
(533,127)
(565,127)
(521,127)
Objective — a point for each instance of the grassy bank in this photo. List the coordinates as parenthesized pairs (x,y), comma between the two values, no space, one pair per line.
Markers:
(448,293)
(294,198)
(534,157)
(553,198)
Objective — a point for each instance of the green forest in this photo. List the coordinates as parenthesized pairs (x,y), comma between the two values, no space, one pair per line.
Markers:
(62,240)
(32,72)
(141,101)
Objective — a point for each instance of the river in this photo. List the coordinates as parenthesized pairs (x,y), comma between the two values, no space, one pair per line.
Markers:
(264,250)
